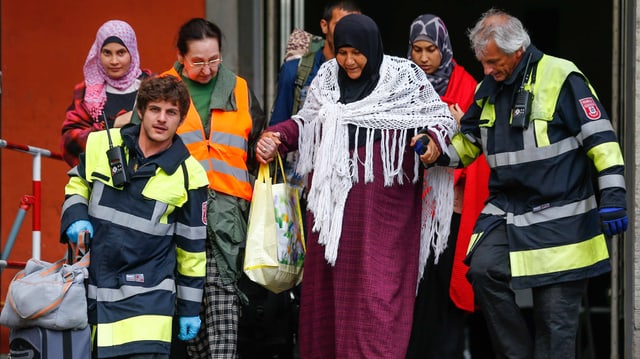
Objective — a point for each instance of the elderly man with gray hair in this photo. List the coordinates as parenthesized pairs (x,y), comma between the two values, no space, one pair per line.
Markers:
(545,136)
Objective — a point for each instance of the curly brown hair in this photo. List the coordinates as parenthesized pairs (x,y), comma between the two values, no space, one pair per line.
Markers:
(163,88)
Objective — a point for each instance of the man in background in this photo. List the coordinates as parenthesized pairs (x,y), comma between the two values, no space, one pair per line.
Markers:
(287,102)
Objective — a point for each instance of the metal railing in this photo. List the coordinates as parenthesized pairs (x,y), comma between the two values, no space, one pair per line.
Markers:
(29,200)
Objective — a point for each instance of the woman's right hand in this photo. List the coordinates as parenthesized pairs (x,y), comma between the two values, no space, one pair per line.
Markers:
(267,146)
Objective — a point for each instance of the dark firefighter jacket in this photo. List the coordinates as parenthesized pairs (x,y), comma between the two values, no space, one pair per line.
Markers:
(148,249)
(542,176)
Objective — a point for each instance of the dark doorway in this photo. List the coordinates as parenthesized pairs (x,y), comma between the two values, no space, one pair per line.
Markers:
(570,29)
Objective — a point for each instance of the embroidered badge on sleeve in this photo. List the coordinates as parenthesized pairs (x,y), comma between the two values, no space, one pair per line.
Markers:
(590,108)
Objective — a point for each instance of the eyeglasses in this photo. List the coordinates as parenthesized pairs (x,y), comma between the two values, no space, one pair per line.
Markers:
(200,64)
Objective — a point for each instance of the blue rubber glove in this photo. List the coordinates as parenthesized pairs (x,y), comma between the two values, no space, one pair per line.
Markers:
(189,327)
(74,229)
(614,220)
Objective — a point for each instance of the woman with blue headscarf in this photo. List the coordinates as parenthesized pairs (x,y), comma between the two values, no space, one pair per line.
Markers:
(444,294)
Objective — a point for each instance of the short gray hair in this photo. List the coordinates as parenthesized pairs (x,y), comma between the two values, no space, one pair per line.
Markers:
(506,30)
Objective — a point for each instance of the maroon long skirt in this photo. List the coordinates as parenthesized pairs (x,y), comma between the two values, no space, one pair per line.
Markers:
(363,306)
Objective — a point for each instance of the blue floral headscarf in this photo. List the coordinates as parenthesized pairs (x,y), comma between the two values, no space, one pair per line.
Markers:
(431,28)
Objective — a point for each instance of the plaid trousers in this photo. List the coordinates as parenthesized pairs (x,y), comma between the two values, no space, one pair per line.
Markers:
(218,336)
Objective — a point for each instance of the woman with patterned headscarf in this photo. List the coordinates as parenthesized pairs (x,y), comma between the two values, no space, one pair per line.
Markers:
(444,294)
(112,76)
(369,229)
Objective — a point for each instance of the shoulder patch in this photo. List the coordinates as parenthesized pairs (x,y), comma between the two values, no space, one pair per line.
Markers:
(590,108)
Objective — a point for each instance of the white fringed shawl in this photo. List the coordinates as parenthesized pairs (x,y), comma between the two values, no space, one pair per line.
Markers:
(402,103)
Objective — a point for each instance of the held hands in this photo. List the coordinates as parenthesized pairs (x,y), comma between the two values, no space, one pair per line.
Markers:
(189,327)
(74,229)
(267,146)
(432,151)
(614,220)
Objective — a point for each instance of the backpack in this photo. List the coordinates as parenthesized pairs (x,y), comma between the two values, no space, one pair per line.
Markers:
(302,45)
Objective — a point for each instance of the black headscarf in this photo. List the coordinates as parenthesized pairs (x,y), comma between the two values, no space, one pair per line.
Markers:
(113,39)
(360,32)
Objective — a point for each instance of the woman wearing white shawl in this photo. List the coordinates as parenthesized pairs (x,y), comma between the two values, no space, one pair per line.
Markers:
(370,232)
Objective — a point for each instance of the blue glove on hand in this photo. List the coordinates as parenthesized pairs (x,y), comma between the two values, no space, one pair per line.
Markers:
(614,220)
(189,327)
(74,229)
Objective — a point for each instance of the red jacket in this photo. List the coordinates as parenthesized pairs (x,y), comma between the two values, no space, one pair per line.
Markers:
(78,124)
(460,90)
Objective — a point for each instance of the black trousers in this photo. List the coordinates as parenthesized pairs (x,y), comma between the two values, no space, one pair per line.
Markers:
(556,307)
(438,325)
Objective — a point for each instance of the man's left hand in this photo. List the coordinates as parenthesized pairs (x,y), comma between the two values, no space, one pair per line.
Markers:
(432,152)
(189,327)
(614,220)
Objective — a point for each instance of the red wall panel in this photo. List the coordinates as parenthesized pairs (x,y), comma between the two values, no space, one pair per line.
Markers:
(44,45)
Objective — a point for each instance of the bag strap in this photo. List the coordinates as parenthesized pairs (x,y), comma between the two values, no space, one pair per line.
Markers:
(304,69)
(53,305)
(281,166)
(54,267)
(79,249)
(264,173)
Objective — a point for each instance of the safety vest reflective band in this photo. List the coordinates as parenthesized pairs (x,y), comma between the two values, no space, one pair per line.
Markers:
(549,214)
(555,259)
(611,181)
(559,258)
(189,293)
(569,144)
(82,195)
(550,71)
(224,154)
(126,291)
(474,239)
(151,226)
(468,151)
(606,155)
(157,328)
(189,263)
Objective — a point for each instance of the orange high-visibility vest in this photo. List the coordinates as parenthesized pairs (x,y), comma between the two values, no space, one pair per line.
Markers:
(224,154)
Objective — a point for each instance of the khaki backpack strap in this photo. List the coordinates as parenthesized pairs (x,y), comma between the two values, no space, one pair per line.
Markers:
(304,69)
